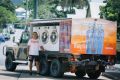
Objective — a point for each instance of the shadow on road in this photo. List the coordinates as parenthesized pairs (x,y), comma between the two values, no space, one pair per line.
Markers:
(25,74)
(112,75)
(11,75)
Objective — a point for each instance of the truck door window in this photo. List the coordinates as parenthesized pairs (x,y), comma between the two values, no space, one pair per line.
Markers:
(25,37)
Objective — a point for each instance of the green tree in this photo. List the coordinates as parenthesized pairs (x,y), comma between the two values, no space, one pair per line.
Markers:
(6,16)
(48,8)
(29,5)
(66,5)
(7,4)
(111,11)
(44,11)
(7,12)
(80,4)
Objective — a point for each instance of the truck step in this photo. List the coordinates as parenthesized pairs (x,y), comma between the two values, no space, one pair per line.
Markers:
(20,62)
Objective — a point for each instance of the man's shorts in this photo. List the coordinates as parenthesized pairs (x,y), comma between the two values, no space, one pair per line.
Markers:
(33,57)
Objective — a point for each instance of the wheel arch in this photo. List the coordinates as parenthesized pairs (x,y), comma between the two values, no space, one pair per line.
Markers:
(10,51)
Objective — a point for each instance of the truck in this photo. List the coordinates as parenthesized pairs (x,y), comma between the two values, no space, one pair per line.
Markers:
(81,46)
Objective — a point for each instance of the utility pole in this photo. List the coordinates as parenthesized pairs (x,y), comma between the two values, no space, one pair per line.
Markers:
(35,9)
(26,12)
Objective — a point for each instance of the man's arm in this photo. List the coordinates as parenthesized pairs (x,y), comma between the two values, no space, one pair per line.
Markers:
(28,47)
(28,50)
(42,48)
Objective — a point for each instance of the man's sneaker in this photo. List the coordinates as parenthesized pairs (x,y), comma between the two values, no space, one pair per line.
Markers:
(38,74)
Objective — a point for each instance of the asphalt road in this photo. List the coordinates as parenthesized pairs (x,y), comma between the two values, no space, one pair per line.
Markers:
(22,73)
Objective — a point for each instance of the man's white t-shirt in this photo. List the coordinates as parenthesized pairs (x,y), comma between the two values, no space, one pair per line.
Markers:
(34,47)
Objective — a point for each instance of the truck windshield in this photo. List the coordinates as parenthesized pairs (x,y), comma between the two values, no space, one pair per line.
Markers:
(19,26)
(25,37)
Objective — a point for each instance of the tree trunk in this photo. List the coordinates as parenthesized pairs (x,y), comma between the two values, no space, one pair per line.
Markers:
(88,11)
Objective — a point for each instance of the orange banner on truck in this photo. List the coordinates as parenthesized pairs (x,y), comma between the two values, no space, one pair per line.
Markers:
(93,36)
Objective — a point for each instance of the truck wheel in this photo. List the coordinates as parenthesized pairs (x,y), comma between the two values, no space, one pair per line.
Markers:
(80,73)
(10,66)
(44,67)
(94,74)
(56,69)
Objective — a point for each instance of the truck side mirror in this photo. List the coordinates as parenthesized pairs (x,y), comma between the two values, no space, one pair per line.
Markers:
(13,39)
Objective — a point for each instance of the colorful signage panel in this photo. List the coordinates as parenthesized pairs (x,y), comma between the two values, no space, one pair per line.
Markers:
(93,36)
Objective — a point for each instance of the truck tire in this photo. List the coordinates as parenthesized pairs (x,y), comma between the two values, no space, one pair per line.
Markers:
(94,74)
(10,66)
(80,73)
(44,67)
(56,69)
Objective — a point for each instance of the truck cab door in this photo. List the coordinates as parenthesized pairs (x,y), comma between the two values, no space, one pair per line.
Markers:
(22,52)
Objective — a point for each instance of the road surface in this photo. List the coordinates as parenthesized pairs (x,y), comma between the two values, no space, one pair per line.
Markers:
(22,73)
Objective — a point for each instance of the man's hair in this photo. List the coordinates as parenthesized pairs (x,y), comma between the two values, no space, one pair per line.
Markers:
(35,33)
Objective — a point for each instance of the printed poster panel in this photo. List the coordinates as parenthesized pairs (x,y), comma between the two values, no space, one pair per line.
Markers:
(65,35)
(93,36)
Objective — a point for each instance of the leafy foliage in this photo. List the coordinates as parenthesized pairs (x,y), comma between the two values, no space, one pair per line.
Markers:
(7,4)
(7,13)
(6,16)
(70,4)
(48,8)
(111,11)
(44,12)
